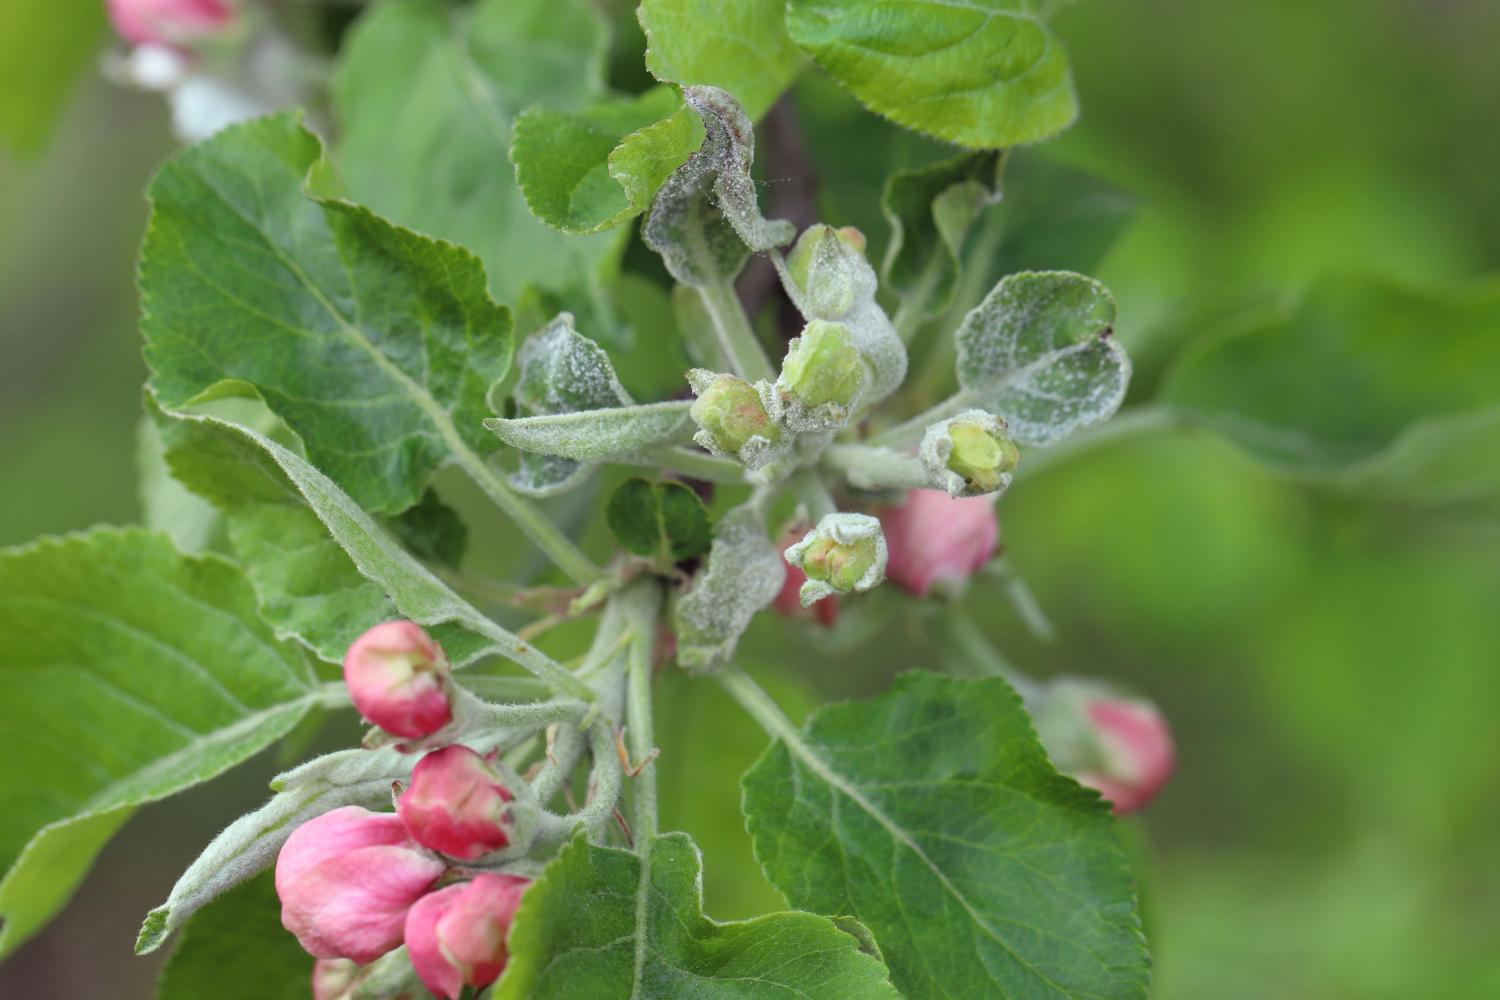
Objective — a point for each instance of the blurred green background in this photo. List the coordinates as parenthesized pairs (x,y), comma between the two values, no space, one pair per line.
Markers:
(1330,665)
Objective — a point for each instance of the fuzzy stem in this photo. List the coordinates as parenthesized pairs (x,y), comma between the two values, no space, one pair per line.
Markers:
(814,495)
(869,468)
(732,329)
(644,604)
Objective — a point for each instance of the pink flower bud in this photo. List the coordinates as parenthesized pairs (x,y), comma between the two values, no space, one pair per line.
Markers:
(346,880)
(1135,752)
(938,541)
(456,804)
(788,603)
(169,22)
(398,678)
(456,936)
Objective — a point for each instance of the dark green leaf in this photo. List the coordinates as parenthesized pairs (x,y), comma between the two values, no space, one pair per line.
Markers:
(738,45)
(432,531)
(930,210)
(979,73)
(586,171)
(1381,388)
(375,345)
(933,815)
(129,673)
(664,521)
(596,925)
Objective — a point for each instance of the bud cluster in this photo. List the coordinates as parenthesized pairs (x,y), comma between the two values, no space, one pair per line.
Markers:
(355,885)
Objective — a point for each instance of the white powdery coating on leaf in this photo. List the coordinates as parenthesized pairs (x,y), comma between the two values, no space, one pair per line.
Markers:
(1038,351)
(681,215)
(594,435)
(937,447)
(744,574)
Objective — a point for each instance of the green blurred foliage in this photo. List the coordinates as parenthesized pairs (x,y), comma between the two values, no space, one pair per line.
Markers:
(1327,662)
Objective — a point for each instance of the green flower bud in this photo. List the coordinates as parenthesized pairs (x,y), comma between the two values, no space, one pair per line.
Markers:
(845,552)
(729,413)
(970,454)
(823,366)
(821,268)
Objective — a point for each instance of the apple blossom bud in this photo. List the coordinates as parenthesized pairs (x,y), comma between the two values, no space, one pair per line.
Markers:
(456,936)
(970,454)
(1110,741)
(456,804)
(346,880)
(788,602)
(821,377)
(398,678)
(938,542)
(732,418)
(820,268)
(169,22)
(845,552)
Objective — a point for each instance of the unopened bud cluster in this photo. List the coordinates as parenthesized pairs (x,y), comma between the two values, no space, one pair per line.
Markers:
(970,454)
(356,884)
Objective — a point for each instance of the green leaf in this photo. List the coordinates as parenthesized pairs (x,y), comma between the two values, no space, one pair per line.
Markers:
(166,505)
(375,345)
(738,45)
(432,531)
(664,520)
(237,949)
(310,587)
(596,925)
(933,816)
(744,573)
(1053,217)
(980,73)
(129,673)
(44,47)
(415,592)
(1039,352)
(251,843)
(706,218)
(595,435)
(587,171)
(450,80)
(1366,384)
(930,210)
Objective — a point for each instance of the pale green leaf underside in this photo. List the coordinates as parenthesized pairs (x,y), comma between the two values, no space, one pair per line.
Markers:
(745,572)
(375,345)
(308,584)
(586,171)
(152,673)
(596,435)
(449,81)
(1039,351)
(933,815)
(1364,383)
(738,45)
(980,73)
(593,927)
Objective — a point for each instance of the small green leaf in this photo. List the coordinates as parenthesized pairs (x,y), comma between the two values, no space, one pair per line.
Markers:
(587,171)
(1039,352)
(664,521)
(129,673)
(432,531)
(597,925)
(450,80)
(933,816)
(980,73)
(744,573)
(236,949)
(562,371)
(250,844)
(596,435)
(1369,385)
(375,345)
(738,45)
(930,210)
(706,218)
